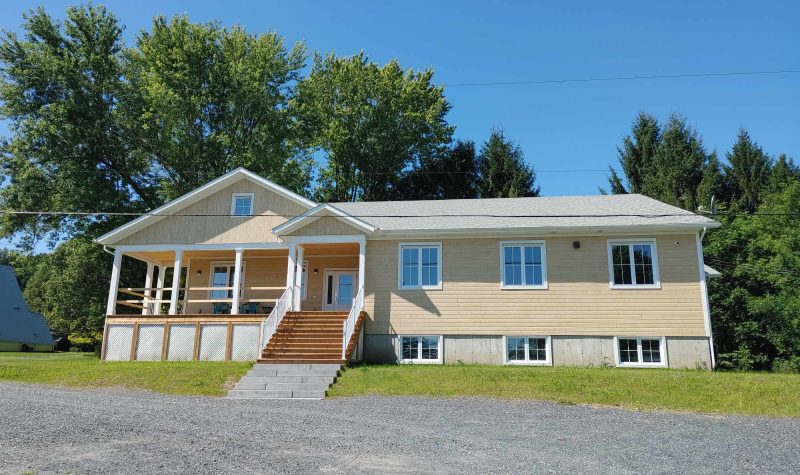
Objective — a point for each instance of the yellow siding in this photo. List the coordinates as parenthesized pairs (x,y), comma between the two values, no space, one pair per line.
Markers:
(259,272)
(577,302)
(325,226)
(271,209)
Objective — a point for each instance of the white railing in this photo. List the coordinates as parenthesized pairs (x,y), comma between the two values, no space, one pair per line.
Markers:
(270,325)
(352,318)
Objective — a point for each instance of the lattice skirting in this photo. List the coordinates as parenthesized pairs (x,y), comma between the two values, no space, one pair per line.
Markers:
(195,341)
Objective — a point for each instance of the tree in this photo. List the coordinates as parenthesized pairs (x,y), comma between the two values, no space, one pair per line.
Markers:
(636,155)
(203,100)
(503,172)
(712,184)
(748,173)
(451,175)
(783,172)
(60,88)
(372,122)
(677,165)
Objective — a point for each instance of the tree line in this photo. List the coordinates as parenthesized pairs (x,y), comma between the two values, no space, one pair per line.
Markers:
(97,125)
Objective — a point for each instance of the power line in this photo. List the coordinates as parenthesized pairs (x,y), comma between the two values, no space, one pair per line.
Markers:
(624,78)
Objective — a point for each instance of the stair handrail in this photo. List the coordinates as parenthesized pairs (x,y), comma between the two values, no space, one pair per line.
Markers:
(270,324)
(350,324)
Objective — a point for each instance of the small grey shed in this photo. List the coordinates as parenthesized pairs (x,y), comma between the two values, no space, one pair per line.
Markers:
(19,326)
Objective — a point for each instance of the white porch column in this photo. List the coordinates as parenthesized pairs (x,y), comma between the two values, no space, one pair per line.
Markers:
(237,281)
(148,282)
(298,277)
(176,283)
(111,308)
(362,263)
(159,288)
(291,267)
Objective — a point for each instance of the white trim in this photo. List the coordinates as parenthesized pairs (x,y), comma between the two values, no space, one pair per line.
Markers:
(527,231)
(656,274)
(419,245)
(116,267)
(335,271)
(231,265)
(527,362)
(177,270)
(439,352)
(318,211)
(541,244)
(304,281)
(148,283)
(662,349)
(704,297)
(232,246)
(233,204)
(196,195)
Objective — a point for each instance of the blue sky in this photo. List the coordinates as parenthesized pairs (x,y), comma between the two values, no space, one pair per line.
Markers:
(573,126)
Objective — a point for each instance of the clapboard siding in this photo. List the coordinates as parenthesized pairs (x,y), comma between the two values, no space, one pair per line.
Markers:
(270,209)
(577,302)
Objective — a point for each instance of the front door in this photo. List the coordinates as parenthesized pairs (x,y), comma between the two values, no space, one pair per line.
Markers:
(339,289)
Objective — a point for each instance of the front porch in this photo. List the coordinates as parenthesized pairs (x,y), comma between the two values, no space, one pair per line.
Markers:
(226,301)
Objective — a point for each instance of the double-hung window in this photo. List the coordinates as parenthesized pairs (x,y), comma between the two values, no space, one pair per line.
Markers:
(420,349)
(633,264)
(532,350)
(523,265)
(420,266)
(640,351)
(242,204)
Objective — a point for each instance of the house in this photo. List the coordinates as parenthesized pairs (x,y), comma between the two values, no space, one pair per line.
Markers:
(20,329)
(243,269)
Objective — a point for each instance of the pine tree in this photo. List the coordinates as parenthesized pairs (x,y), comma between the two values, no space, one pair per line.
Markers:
(783,172)
(503,171)
(712,183)
(677,166)
(636,155)
(748,173)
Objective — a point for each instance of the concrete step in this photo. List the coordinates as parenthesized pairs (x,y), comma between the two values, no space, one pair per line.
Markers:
(283,386)
(276,394)
(288,379)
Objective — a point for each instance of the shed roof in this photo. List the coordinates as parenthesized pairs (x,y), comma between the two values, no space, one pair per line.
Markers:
(17,322)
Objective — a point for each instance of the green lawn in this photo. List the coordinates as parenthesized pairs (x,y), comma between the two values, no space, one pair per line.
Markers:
(86,370)
(641,389)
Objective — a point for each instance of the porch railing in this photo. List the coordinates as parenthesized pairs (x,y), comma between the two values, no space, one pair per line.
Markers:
(352,318)
(152,304)
(282,305)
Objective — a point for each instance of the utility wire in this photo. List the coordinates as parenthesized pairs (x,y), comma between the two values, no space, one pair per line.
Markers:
(624,78)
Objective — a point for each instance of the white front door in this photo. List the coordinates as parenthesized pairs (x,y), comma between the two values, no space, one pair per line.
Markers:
(339,289)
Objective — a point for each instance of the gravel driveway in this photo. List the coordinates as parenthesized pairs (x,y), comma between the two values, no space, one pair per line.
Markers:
(45,429)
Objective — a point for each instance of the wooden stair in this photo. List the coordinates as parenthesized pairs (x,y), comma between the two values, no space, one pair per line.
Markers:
(307,338)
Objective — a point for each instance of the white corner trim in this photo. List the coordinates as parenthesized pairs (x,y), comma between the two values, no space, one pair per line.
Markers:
(317,212)
(548,347)
(704,297)
(662,348)
(656,271)
(440,266)
(196,195)
(543,245)
(439,353)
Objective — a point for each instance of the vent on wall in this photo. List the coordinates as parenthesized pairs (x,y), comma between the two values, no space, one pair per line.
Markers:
(576,244)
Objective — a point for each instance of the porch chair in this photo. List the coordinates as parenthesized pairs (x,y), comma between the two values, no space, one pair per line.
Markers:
(248,308)
(221,308)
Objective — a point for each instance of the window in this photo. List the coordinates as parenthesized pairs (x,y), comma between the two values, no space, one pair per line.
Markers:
(420,266)
(304,282)
(222,276)
(420,349)
(633,264)
(640,351)
(242,204)
(523,265)
(532,350)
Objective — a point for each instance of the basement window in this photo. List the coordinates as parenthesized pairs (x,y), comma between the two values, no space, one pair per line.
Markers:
(641,351)
(527,350)
(420,349)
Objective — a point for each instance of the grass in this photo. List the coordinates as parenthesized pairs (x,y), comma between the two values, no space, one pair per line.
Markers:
(763,394)
(86,370)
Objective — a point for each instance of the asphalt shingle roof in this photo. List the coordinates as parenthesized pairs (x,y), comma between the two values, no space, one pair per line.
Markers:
(544,212)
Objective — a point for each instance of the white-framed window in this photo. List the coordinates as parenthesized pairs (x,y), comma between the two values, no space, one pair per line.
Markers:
(527,350)
(242,204)
(419,349)
(304,282)
(523,265)
(633,264)
(419,265)
(221,275)
(641,351)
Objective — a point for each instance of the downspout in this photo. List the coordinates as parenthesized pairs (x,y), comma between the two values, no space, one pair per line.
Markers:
(106,249)
(704,297)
